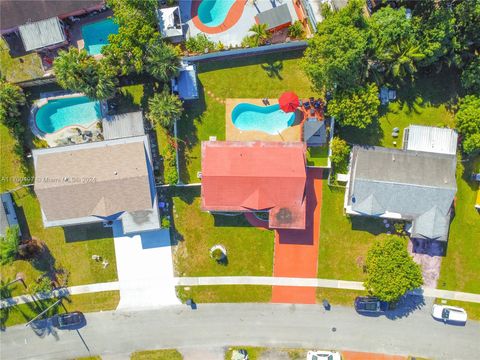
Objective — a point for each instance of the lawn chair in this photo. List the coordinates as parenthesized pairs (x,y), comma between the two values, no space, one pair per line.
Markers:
(306,105)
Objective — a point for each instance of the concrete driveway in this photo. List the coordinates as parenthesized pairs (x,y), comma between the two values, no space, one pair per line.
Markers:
(145,269)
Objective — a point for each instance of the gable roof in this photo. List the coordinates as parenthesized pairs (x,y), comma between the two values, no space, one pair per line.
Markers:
(431,139)
(248,176)
(95,179)
(40,34)
(15,13)
(314,132)
(409,183)
(274,17)
(432,224)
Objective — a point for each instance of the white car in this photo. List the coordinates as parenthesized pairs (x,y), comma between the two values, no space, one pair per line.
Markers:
(323,355)
(449,313)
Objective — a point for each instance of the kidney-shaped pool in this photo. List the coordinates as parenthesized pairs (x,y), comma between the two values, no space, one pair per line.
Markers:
(60,113)
(270,119)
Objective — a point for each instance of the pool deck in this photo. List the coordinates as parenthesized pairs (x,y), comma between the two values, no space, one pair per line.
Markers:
(232,133)
(64,135)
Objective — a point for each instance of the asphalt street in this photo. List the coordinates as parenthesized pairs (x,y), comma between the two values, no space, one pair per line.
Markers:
(219,325)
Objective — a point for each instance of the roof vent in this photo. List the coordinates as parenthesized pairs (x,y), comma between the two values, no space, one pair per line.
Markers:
(115,172)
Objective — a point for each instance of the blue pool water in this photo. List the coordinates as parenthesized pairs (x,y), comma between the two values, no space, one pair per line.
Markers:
(60,113)
(214,12)
(96,34)
(270,119)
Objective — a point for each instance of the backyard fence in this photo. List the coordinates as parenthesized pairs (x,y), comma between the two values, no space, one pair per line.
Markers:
(36,82)
(245,52)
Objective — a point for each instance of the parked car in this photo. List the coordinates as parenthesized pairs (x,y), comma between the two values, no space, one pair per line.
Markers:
(323,355)
(447,314)
(370,304)
(72,320)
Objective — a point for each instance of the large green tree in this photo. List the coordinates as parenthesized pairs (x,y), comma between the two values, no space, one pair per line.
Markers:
(336,55)
(467,30)
(11,99)
(76,70)
(401,59)
(471,76)
(162,61)
(467,122)
(259,33)
(137,31)
(164,108)
(391,271)
(356,107)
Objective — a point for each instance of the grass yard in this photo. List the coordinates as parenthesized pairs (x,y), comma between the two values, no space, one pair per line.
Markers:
(9,162)
(168,354)
(249,249)
(102,301)
(427,102)
(461,267)
(317,156)
(21,68)
(344,241)
(254,353)
(225,293)
(338,296)
(256,77)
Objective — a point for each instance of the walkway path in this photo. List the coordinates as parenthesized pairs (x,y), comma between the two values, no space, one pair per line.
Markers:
(296,251)
(248,280)
(145,268)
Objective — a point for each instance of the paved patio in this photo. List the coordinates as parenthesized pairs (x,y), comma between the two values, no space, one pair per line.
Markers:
(145,269)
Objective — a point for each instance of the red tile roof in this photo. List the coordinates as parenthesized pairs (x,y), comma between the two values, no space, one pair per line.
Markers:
(247,176)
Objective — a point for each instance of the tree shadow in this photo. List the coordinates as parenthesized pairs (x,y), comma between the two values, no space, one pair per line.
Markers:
(22,222)
(372,135)
(44,261)
(273,68)
(86,232)
(405,306)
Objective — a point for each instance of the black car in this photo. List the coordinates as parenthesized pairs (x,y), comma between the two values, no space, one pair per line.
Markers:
(369,304)
(72,320)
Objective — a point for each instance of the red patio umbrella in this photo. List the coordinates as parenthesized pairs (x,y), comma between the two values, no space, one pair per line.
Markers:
(289,102)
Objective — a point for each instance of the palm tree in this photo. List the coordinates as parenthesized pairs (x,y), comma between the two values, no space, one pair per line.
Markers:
(164,108)
(260,33)
(162,61)
(401,59)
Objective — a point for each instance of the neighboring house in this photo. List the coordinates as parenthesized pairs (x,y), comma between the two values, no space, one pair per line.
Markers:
(276,18)
(170,24)
(98,182)
(185,84)
(8,216)
(430,139)
(256,176)
(43,34)
(14,13)
(415,186)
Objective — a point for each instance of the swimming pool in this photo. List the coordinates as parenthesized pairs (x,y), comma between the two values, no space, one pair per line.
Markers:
(95,35)
(270,119)
(57,114)
(214,12)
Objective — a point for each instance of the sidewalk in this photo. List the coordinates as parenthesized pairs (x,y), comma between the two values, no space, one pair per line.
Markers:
(247,280)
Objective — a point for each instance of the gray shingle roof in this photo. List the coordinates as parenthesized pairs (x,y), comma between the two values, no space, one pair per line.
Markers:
(274,17)
(314,132)
(406,182)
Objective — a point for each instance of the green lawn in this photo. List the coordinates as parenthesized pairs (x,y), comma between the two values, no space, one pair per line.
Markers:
(344,241)
(338,296)
(102,301)
(226,293)
(317,156)
(9,162)
(427,102)
(20,68)
(254,353)
(249,249)
(461,266)
(168,354)
(238,78)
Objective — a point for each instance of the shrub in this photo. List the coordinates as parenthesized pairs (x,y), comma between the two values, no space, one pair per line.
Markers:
(165,222)
(249,41)
(164,108)
(170,175)
(296,30)
(199,43)
(340,153)
(41,286)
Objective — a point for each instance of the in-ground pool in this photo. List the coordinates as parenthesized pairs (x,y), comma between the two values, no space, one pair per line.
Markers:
(270,119)
(57,114)
(95,35)
(214,12)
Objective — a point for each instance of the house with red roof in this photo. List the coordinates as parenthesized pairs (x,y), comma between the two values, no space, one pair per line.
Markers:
(240,176)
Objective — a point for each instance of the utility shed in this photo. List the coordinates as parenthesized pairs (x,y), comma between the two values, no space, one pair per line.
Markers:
(123,125)
(275,18)
(42,34)
(430,139)
(185,84)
